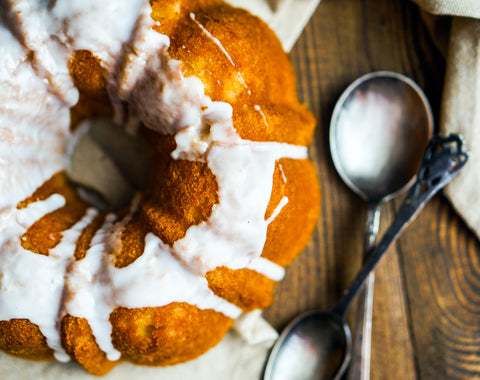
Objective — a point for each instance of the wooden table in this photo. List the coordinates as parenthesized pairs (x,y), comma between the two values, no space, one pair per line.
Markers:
(426,322)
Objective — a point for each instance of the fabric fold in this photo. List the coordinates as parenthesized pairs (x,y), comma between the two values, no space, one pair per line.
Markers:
(460,110)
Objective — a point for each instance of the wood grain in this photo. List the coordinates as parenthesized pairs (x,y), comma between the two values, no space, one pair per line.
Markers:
(427,295)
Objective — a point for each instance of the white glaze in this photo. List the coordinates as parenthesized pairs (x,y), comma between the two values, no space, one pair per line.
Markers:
(217,42)
(95,287)
(33,131)
(284,177)
(259,109)
(31,285)
(213,38)
(27,112)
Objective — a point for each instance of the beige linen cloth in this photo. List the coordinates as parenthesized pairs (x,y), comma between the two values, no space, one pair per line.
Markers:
(242,353)
(461,99)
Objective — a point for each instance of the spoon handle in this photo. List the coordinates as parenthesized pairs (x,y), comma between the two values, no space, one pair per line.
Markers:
(444,157)
(359,368)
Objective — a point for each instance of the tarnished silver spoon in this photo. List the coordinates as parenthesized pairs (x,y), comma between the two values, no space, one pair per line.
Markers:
(317,345)
(380,128)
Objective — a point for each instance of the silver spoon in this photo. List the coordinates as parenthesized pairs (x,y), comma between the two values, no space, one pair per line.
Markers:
(380,128)
(317,345)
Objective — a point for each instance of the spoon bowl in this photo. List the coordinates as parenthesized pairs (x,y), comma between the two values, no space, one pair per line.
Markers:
(325,340)
(379,131)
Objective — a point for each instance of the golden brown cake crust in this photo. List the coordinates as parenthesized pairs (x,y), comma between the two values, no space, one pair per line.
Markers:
(80,344)
(181,193)
(157,336)
(166,335)
(36,239)
(90,78)
(22,338)
(244,288)
(290,231)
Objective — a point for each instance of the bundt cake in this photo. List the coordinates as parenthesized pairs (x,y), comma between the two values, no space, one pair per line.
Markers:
(231,196)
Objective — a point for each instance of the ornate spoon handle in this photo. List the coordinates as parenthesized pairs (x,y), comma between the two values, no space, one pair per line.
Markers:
(444,157)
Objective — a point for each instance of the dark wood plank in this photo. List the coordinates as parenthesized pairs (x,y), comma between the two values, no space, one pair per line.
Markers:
(393,351)
(427,295)
(440,257)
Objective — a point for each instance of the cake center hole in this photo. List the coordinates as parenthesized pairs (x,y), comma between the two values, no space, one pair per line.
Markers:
(107,165)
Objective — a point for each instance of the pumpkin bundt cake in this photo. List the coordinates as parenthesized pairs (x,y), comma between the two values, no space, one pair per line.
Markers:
(231,196)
